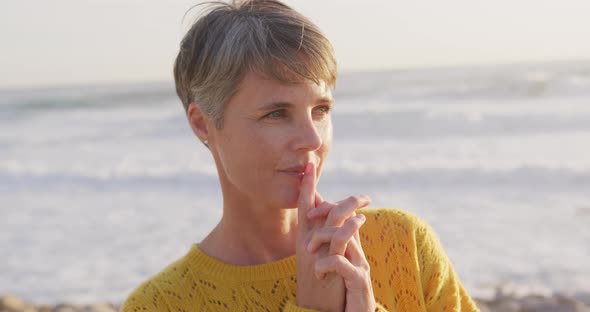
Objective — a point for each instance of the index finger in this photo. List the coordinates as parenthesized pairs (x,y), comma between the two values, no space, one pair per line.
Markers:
(306,200)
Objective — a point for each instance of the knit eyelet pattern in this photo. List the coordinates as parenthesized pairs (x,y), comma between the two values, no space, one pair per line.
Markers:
(409,272)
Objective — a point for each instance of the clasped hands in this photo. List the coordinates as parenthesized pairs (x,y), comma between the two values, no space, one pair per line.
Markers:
(332,271)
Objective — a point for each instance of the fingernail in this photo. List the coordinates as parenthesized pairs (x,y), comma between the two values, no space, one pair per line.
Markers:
(308,247)
(366,196)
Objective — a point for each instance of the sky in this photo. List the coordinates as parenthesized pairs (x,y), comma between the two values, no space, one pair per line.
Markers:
(71,42)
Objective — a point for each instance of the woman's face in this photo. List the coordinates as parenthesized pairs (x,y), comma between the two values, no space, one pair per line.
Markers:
(270,131)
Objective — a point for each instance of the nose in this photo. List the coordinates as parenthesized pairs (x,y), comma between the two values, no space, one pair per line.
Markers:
(308,135)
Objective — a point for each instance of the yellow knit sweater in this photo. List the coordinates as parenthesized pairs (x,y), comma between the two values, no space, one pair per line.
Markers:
(409,272)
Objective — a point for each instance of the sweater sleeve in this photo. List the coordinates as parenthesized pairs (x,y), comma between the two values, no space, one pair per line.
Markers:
(146,297)
(441,286)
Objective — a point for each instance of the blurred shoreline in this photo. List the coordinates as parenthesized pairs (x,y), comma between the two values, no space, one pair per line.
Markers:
(506,302)
(470,150)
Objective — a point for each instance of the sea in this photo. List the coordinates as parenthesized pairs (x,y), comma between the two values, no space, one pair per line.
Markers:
(102,186)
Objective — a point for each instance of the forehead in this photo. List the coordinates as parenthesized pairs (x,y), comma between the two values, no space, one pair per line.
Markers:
(256,89)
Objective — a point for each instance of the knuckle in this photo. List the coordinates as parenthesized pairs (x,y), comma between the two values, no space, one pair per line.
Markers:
(325,209)
(331,260)
(329,231)
(354,222)
(365,267)
(329,204)
(328,262)
(335,218)
(316,239)
(339,208)
(339,260)
(340,214)
(324,206)
(359,275)
(351,226)
(313,241)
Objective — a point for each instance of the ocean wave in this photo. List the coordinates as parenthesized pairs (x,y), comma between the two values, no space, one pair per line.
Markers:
(522,178)
(490,82)
(99,96)
(117,183)
(413,124)
(527,81)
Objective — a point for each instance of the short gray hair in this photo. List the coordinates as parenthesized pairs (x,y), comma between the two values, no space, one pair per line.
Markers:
(231,39)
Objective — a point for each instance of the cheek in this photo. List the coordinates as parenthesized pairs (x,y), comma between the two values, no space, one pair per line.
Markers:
(249,158)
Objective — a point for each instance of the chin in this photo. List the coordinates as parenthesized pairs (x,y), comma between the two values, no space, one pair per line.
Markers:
(288,203)
(287,199)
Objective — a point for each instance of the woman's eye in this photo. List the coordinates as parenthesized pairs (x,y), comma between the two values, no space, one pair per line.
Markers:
(323,110)
(276,114)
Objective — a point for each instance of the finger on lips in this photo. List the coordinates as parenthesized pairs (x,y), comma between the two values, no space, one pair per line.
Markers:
(307,194)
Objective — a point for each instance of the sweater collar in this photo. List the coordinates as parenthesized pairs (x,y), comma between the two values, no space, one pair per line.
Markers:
(201,262)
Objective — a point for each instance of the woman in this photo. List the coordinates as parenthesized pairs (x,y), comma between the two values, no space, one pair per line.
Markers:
(255,79)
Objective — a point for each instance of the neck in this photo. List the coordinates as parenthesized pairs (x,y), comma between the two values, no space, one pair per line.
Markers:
(250,235)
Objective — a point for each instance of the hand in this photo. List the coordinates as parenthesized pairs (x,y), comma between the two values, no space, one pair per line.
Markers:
(346,257)
(328,293)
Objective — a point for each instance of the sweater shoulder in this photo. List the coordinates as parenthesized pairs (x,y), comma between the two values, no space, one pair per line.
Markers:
(145,297)
(402,226)
(393,218)
(153,294)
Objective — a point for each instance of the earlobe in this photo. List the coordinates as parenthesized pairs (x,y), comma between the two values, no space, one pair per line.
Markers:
(198,121)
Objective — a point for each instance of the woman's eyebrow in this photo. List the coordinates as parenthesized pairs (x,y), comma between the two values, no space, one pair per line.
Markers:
(279,105)
(326,100)
(276,105)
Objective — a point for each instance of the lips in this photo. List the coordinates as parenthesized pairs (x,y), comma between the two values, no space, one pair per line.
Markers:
(296,171)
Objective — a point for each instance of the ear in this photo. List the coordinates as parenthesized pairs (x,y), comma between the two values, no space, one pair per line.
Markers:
(198,121)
